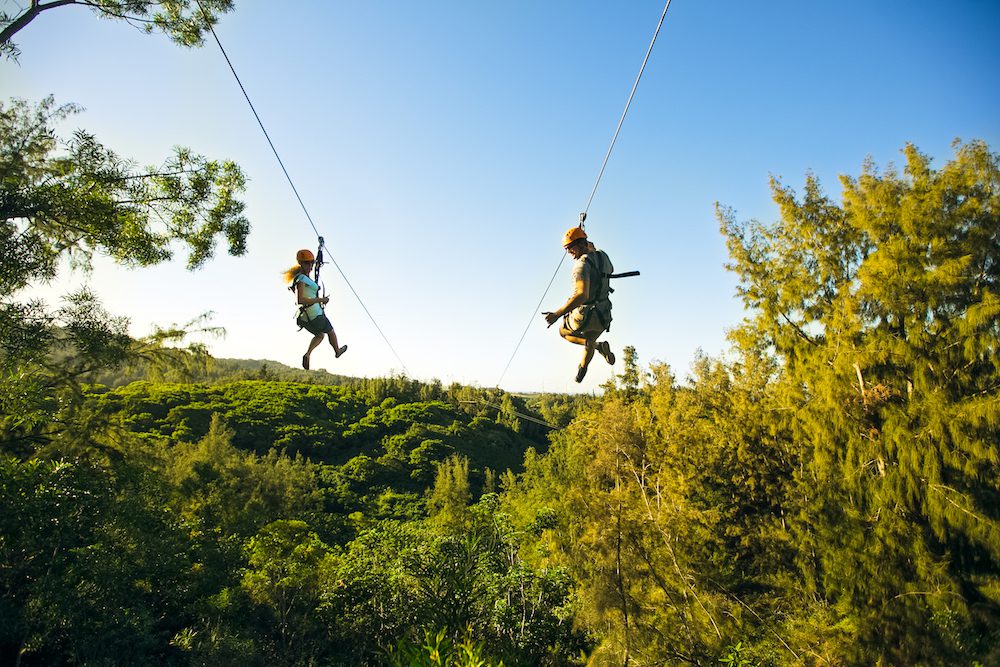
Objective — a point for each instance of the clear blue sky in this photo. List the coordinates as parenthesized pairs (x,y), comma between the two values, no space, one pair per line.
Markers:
(442,148)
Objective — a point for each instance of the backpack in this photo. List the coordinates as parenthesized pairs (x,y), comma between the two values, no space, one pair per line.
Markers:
(598,300)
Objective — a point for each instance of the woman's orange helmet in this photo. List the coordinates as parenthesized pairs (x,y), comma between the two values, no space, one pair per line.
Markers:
(305,255)
(572,235)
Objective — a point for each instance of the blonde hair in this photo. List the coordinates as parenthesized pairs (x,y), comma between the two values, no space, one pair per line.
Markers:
(292,272)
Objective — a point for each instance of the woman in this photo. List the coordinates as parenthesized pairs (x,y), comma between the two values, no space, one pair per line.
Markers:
(312,319)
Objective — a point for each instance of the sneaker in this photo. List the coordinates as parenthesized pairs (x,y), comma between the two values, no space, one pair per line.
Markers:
(343,348)
(606,352)
(580,372)
(305,361)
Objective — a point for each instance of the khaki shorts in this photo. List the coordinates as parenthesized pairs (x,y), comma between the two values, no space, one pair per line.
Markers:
(584,322)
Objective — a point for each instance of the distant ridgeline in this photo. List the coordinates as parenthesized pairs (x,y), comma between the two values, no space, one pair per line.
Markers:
(210,369)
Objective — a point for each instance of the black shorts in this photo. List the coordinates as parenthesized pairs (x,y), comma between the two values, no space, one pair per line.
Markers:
(318,325)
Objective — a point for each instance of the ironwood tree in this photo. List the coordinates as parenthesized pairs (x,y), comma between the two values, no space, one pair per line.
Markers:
(183,21)
(883,312)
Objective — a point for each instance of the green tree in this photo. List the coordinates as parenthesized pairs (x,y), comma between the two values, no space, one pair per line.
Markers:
(448,501)
(370,604)
(559,409)
(75,197)
(400,583)
(665,504)
(220,488)
(287,566)
(631,376)
(884,316)
(183,21)
(92,569)
(439,651)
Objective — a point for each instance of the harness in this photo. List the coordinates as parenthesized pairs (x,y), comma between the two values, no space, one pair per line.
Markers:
(599,292)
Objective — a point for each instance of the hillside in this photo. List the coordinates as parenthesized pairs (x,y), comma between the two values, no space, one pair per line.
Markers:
(379,439)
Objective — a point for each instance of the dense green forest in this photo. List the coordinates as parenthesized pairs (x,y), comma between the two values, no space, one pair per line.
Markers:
(272,522)
(826,494)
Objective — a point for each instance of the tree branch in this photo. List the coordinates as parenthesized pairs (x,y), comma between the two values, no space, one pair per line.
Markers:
(799,331)
(158,174)
(108,12)
(27,17)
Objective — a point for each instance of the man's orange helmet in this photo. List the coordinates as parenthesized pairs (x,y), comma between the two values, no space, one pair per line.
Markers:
(572,235)
(305,255)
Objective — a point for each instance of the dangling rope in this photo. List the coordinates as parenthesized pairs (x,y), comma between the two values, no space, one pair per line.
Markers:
(208,23)
(583,215)
(528,325)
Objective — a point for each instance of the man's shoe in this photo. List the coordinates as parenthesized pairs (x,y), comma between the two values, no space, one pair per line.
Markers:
(606,352)
(305,361)
(580,372)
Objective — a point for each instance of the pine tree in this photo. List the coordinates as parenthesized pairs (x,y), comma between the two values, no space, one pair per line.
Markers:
(883,313)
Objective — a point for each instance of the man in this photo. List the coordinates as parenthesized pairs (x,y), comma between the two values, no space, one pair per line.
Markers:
(587,313)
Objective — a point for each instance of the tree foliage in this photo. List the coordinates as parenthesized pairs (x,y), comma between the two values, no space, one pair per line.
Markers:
(71,199)
(92,570)
(76,197)
(184,21)
(883,312)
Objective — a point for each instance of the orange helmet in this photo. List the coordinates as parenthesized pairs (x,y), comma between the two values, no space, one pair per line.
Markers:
(572,235)
(305,255)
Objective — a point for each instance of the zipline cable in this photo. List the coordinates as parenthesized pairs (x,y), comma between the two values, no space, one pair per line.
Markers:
(274,150)
(513,412)
(583,215)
